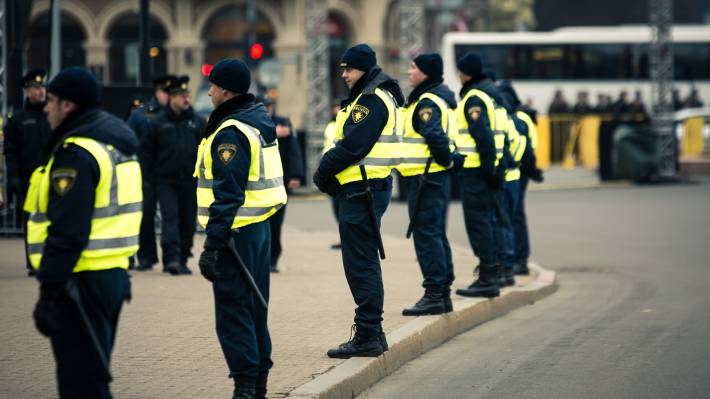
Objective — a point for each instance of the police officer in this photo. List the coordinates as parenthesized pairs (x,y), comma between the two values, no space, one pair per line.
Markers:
(26,132)
(481,137)
(169,151)
(366,135)
(293,173)
(528,171)
(328,143)
(85,210)
(427,158)
(240,185)
(139,120)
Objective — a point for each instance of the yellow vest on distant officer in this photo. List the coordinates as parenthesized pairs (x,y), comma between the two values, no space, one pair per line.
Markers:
(265,192)
(385,154)
(117,209)
(532,129)
(329,136)
(516,146)
(415,151)
(498,120)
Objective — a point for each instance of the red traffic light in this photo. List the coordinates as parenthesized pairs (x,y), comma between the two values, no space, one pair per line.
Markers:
(256,51)
(206,69)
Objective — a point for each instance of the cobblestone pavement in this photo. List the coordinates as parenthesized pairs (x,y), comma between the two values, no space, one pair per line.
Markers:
(167,346)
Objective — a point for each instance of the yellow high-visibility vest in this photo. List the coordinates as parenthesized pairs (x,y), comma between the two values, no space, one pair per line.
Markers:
(516,147)
(329,136)
(265,192)
(415,151)
(385,154)
(498,123)
(532,128)
(118,205)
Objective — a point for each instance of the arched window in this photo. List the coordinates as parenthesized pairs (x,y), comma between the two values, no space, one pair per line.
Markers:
(124,37)
(340,38)
(73,37)
(227,33)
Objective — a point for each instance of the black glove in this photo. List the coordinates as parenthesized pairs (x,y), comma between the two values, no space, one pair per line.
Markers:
(332,186)
(457,161)
(320,181)
(47,313)
(208,263)
(537,175)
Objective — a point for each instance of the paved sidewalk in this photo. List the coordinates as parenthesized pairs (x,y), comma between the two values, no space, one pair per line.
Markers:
(167,347)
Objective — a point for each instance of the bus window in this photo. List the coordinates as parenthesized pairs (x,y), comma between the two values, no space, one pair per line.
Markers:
(692,61)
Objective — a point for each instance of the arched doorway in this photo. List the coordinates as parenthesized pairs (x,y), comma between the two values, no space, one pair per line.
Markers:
(124,36)
(228,34)
(73,37)
(339,39)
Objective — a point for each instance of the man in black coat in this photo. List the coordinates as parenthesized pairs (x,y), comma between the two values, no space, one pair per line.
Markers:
(292,162)
(169,151)
(26,132)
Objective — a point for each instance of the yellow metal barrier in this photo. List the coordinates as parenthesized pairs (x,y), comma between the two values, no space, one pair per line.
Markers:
(693,141)
(542,152)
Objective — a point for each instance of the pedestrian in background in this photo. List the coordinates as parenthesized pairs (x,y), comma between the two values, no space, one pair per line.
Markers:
(292,162)
(169,152)
(85,206)
(366,135)
(25,132)
(240,186)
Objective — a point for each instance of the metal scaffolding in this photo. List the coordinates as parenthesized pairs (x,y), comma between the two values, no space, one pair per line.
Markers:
(318,77)
(661,62)
(411,34)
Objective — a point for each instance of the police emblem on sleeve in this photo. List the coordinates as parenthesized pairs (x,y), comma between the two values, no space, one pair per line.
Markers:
(474,112)
(425,114)
(226,152)
(63,180)
(359,113)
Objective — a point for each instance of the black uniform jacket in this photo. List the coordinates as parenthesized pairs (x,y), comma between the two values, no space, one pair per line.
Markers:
(169,150)
(139,119)
(290,152)
(26,131)
(70,209)
(359,137)
(231,173)
(428,124)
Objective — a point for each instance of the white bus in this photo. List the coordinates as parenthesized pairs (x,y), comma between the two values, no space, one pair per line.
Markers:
(598,60)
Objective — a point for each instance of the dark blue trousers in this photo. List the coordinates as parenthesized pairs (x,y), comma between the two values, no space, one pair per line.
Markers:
(148,249)
(178,207)
(241,320)
(430,242)
(520,224)
(276,221)
(479,214)
(506,236)
(360,257)
(79,370)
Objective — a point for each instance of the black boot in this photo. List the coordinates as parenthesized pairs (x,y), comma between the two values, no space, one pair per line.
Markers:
(260,388)
(173,268)
(431,303)
(383,342)
(502,282)
(359,345)
(448,306)
(509,276)
(244,389)
(521,268)
(485,286)
(183,269)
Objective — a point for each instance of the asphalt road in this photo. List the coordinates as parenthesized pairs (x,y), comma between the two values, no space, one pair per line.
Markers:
(631,319)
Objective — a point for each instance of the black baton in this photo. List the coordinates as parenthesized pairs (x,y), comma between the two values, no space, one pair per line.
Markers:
(371,210)
(247,276)
(417,199)
(73,292)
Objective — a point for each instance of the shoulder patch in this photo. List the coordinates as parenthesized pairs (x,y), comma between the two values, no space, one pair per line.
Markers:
(63,180)
(226,152)
(425,114)
(474,112)
(359,113)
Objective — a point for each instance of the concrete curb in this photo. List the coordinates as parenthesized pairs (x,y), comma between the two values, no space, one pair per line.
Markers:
(421,335)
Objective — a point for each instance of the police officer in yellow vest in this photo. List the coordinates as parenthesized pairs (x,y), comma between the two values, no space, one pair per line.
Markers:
(239,186)
(365,135)
(528,170)
(481,138)
(427,122)
(85,210)
(328,143)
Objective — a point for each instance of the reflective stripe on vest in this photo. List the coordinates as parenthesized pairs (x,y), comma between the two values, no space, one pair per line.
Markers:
(465,141)
(516,147)
(415,151)
(532,129)
(265,192)
(118,203)
(385,154)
